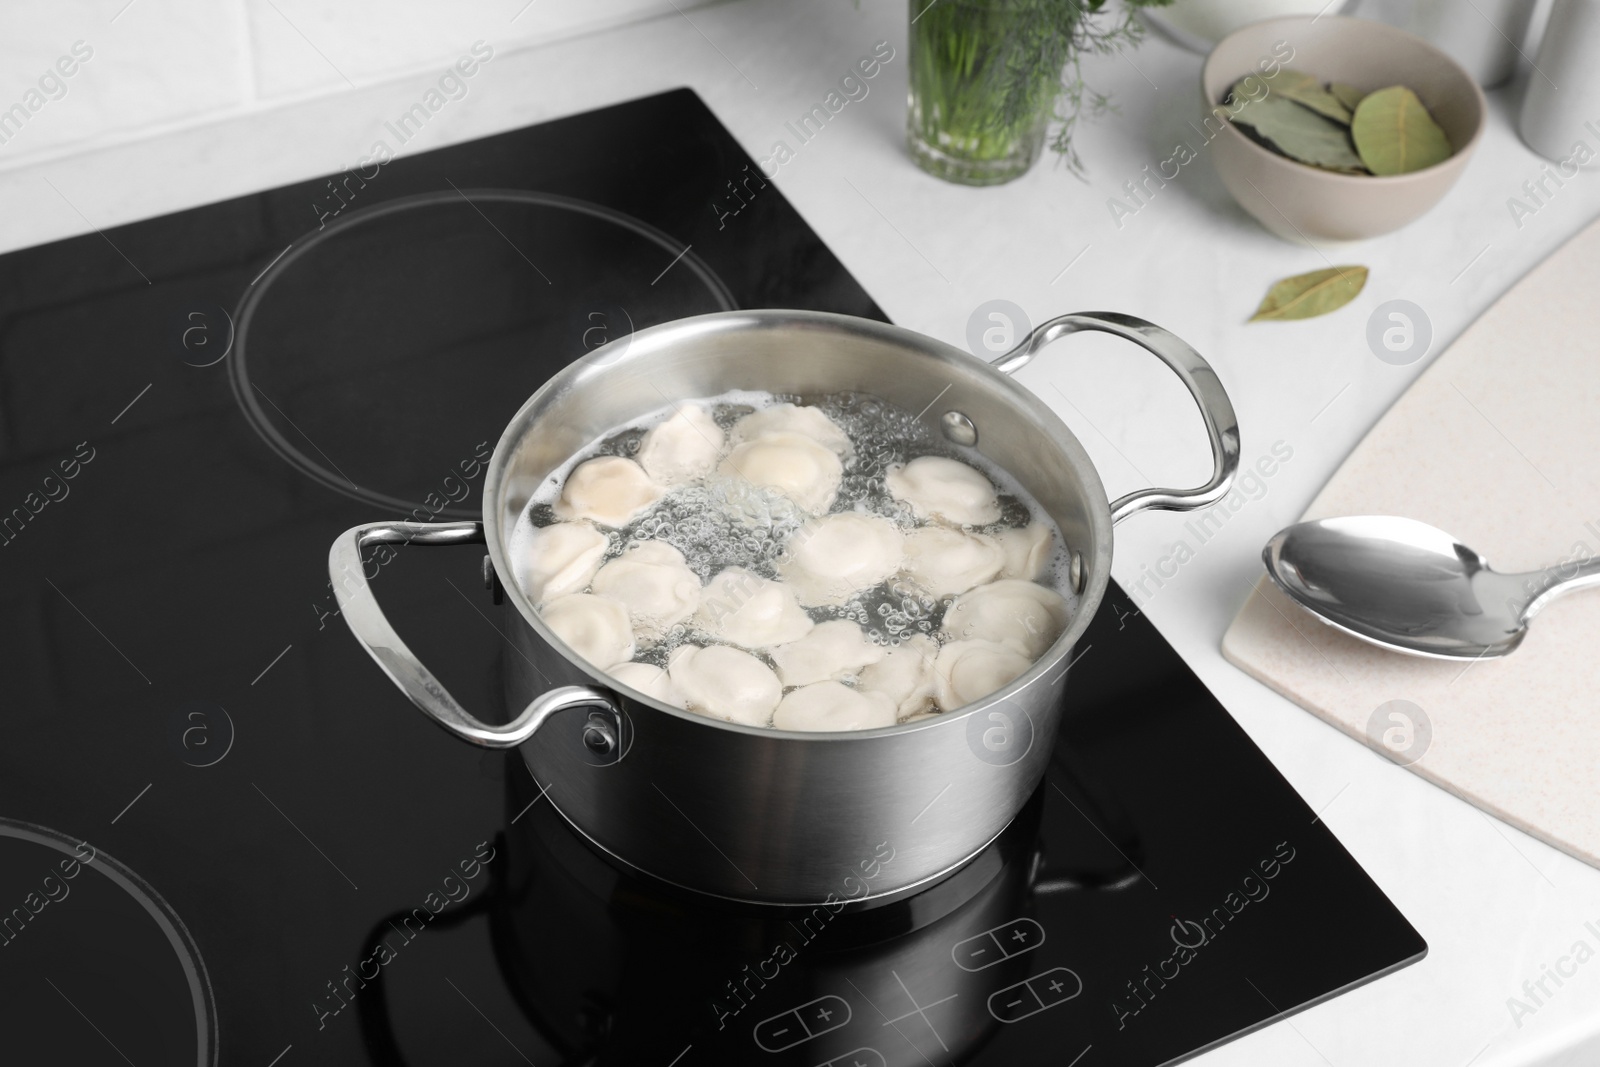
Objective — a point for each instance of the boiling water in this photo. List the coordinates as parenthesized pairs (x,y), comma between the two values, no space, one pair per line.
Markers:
(724,522)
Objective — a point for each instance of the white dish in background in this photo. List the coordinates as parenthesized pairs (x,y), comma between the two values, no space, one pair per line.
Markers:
(1199,24)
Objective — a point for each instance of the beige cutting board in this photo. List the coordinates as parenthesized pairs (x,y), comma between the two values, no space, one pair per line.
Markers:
(1498,442)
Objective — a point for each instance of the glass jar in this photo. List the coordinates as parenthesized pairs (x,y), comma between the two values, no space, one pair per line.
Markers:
(980,99)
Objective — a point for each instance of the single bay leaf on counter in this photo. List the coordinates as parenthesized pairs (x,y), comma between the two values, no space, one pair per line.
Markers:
(1395,134)
(1300,133)
(1348,95)
(1305,296)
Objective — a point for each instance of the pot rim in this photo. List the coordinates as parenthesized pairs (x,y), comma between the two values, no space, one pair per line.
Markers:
(1097,571)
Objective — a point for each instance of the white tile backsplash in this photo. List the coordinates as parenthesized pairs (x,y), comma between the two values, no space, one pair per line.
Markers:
(156,62)
(154,65)
(307,45)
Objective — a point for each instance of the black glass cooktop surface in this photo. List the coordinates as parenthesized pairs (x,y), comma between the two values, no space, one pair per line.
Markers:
(226,837)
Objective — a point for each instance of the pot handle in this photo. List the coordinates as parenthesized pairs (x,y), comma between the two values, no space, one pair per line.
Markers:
(1222,425)
(372,629)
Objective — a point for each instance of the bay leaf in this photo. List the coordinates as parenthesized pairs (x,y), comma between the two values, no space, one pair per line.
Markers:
(1299,133)
(1254,86)
(1394,133)
(1319,100)
(1348,95)
(1305,296)
(1288,78)
(1306,90)
(1244,90)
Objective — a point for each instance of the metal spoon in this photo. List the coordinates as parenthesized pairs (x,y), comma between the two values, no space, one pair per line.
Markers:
(1413,588)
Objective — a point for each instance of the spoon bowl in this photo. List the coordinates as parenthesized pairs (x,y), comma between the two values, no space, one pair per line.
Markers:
(1411,587)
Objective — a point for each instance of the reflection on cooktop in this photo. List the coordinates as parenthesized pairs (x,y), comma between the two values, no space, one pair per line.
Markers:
(669,972)
(1151,900)
(175,458)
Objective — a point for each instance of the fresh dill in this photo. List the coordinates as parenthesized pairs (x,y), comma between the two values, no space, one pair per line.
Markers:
(986,73)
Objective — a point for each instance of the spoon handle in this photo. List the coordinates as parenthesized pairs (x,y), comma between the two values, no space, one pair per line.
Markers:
(1558,580)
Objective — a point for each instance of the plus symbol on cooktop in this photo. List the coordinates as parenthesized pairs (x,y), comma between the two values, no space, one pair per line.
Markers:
(824,1014)
(1055,986)
(1019,936)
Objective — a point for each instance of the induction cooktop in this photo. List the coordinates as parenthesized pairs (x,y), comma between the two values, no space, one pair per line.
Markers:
(227,838)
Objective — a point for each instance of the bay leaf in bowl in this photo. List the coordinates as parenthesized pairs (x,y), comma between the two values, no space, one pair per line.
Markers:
(1307,90)
(1394,133)
(1299,133)
(1348,95)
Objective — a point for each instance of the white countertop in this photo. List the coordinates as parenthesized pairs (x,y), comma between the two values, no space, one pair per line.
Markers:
(1495,906)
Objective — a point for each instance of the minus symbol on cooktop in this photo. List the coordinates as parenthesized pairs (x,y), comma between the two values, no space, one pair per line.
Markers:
(280,1055)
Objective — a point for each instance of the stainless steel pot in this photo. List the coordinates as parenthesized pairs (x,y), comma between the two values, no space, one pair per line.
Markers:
(766,815)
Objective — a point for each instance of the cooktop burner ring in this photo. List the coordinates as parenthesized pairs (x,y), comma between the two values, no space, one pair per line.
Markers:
(142,893)
(324,471)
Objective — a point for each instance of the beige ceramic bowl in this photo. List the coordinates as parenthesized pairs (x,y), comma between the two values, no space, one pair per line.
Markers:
(1303,203)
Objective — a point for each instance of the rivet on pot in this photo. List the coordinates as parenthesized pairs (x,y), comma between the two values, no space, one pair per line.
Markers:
(958,428)
(598,735)
(1075,573)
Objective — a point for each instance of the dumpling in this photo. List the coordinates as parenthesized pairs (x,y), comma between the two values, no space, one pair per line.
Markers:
(609,490)
(944,561)
(791,464)
(744,609)
(789,418)
(831,559)
(939,488)
(595,627)
(904,675)
(831,650)
(832,706)
(648,679)
(652,580)
(560,558)
(1027,551)
(1026,616)
(724,683)
(683,448)
(970,670)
